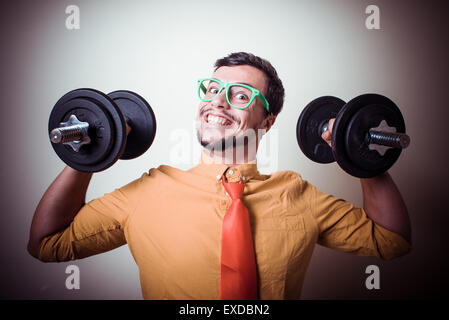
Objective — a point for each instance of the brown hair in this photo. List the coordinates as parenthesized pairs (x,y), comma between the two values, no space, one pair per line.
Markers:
(275,89)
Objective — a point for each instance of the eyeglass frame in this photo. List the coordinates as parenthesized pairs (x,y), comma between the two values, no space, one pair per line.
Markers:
(226,85)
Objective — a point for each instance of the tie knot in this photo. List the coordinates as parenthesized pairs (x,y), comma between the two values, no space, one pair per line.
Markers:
(234,189)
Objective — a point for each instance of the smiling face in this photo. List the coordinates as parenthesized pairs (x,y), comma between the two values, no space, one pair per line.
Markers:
(217,121)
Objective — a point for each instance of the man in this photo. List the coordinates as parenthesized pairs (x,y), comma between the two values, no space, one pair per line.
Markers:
(221,229)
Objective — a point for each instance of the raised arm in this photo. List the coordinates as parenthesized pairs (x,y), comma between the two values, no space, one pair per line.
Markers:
(382,200)
(383,203)
(58,206)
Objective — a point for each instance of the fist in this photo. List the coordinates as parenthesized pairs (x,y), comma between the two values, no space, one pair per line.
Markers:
(327,135)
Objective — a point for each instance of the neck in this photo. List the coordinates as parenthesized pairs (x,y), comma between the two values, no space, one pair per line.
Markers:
(231,157)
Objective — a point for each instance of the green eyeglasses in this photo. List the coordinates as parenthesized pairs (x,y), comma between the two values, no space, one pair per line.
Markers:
(238,95)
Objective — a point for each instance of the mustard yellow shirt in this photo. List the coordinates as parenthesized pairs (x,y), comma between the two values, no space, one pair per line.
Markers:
(171,220)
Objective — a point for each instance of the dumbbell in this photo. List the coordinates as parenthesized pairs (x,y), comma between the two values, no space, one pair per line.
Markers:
(368,134)
(87,128)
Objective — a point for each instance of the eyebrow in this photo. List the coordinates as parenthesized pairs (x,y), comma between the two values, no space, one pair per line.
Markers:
(252,86)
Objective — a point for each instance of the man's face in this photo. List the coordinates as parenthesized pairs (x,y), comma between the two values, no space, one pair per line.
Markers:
(217,121)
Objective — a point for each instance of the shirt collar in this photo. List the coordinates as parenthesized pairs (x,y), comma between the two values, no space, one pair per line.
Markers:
(211,168)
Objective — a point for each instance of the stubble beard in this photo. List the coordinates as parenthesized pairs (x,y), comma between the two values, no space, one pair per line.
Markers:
(237,148)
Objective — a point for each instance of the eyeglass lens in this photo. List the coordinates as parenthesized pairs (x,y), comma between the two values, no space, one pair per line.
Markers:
(238,95)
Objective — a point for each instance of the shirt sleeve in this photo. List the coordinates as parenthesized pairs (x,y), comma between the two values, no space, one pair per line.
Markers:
(345,227)
(98,227)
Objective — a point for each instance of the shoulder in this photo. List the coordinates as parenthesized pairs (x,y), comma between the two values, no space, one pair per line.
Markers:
(165,171)
(159,174)
(287,180)
(286,176)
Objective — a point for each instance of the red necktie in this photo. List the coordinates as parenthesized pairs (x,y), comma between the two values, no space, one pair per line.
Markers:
(238,264)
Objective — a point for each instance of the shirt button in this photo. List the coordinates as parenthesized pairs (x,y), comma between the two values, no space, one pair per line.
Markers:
(231,171)
(243,178)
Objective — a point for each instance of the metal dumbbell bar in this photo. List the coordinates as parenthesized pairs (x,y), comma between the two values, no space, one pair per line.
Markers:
(73,132)
(389,139)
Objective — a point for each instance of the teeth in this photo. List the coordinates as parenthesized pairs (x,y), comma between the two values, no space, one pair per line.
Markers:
(217,120)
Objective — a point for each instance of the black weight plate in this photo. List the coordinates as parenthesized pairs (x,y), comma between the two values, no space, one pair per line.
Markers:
(106,129)
(349,136)
(309,128)
(140,117)
(86,111)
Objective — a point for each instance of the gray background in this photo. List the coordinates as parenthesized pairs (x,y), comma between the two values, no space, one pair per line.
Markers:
(159,49)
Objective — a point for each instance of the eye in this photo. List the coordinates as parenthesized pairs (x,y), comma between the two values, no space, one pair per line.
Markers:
(213,90)
(242,96)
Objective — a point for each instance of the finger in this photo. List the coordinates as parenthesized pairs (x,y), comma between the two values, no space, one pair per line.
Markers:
(128,129)
(327,137)
(331,125)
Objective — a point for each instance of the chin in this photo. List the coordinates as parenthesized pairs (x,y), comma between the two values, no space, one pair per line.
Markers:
(216,143)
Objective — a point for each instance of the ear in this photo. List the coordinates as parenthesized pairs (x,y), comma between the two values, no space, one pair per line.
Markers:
(268,122)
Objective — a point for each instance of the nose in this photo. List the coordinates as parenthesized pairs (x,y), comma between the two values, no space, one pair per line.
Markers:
(220,100)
